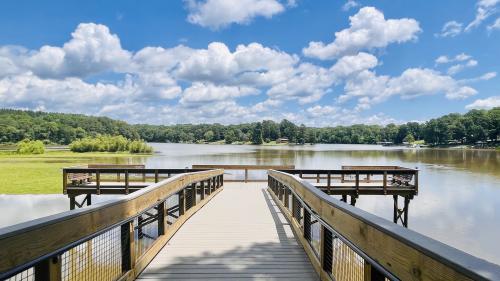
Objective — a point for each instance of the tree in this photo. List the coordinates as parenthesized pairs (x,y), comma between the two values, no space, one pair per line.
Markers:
(257,133)
(209,136)
(288,130)
(409,138)
(230,137)
(301,134)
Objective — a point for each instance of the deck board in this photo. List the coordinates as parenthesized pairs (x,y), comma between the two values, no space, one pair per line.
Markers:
(239,235)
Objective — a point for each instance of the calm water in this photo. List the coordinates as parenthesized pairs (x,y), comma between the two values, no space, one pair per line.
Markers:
(458,201)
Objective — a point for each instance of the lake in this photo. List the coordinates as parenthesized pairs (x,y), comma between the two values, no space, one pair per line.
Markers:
(459,190)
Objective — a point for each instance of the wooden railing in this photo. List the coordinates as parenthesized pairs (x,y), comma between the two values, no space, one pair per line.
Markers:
(246,169)
(358,180)
(108,241)
(346,243)
(114,180)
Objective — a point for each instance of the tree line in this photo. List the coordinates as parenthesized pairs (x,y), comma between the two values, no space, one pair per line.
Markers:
(469,128)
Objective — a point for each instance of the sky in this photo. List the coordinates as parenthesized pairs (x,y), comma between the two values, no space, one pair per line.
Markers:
(316,62)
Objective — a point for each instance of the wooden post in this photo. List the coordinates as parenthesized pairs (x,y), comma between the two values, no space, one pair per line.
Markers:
(98,182)
(329,182)
(317,178)
(395,211)
(209,186)
(194,195)
(416,182)
(372,274)
(286,198)
(246,175)
(161,218)
(49,269)
(128,246)
(126,182)
(357,182)
(182,202)
(406,210)
(65,181)
(72,201)
(202,188)
(385,182)
(326,257)
(156,176)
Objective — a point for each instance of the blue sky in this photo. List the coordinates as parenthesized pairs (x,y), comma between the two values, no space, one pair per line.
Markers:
(315,62)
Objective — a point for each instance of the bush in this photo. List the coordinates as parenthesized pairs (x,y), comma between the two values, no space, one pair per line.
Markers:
(139,147)
(30,147)
(105,143)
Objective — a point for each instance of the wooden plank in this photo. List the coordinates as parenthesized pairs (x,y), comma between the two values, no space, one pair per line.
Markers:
(227,241)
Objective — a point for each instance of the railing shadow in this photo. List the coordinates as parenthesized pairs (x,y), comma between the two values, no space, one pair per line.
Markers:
(281,260)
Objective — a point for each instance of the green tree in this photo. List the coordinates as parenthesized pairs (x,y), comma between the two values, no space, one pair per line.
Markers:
(257,133)
(209,136)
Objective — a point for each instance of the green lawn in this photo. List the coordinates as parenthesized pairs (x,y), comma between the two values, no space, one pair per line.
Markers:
(42,174)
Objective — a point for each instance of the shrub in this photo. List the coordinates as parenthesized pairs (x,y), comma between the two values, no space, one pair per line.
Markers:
(27,146)
(139,147)
(105,143)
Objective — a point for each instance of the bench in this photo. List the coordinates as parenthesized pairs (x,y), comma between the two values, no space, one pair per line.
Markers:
(79,178)
(402,179)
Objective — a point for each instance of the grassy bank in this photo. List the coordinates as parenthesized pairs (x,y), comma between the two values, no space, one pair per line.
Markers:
(41,174)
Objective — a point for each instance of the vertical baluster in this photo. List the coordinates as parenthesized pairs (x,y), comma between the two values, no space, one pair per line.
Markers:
(49,269)
(161,218)
(127,246)
(326,250)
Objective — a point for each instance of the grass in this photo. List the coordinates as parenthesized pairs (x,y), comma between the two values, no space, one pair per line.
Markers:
(41,174)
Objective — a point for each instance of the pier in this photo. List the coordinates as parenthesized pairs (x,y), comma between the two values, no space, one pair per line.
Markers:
(198,223)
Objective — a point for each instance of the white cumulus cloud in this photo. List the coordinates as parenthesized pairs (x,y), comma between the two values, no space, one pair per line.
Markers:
(216,14)
(368,30)
(486,103)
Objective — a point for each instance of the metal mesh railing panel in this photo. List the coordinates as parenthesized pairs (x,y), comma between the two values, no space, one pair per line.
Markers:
(146,230)
(96,259)
(26,275)
(347,264)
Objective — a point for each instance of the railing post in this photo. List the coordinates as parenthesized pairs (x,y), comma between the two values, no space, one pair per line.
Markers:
(194,193)
(202,188)
(65,181)
(307,225)
(49,269)
(372,274)
(209,186)
(385,182)
(161,218)
(182,202)
(329,182)
(246,175)
(156,176)
(72,202)
(128,246)
(98,182)
(326,256)
(286,198)
(126,182)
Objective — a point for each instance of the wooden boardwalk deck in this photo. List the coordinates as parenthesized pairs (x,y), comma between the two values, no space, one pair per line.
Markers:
(239,235)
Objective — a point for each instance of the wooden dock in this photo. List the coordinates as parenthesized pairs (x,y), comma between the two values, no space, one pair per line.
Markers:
(250,240)
(188,224)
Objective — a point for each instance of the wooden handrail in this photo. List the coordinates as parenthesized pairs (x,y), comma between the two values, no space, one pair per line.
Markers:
(28,244)
(400,253)
(245,168)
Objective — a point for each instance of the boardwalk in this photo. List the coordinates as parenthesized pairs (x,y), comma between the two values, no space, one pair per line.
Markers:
(239,235)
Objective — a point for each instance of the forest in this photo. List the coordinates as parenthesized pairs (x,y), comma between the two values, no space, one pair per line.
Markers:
(59,128)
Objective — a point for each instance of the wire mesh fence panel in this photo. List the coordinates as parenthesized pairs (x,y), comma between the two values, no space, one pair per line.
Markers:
(146,230)
(172,205)
(96,259)
(26,275)
(347,264)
